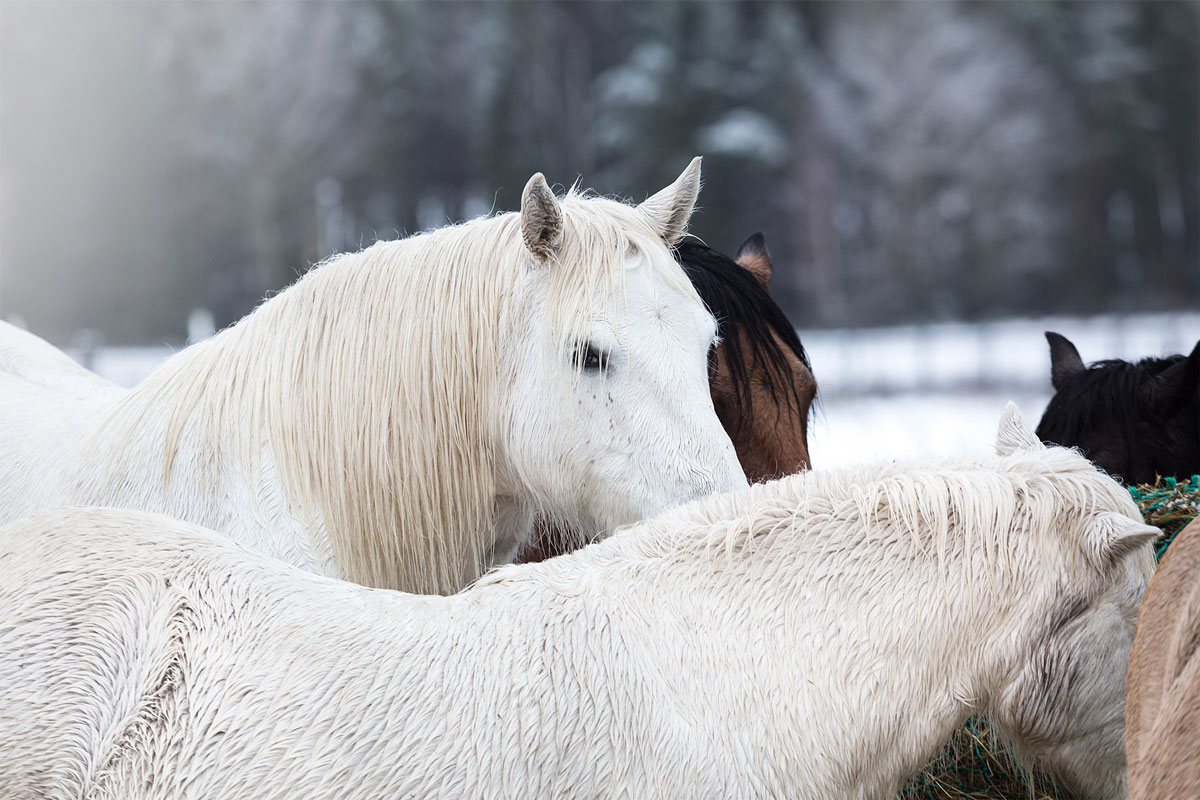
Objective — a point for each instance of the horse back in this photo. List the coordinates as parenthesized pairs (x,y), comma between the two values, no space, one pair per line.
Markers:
(1162,711)
(90,655)
(34,360)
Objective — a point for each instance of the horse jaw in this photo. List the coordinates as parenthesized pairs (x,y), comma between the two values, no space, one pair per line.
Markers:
(1063,716)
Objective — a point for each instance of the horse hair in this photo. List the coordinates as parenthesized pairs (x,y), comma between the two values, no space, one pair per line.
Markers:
(745,312)
(1106,390)
(374,485)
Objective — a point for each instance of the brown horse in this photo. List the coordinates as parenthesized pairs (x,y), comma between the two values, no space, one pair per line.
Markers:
(1162,708)
(760,378)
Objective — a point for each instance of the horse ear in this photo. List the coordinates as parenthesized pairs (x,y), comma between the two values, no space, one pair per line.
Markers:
(670,208)
(1112,536)
(1013,434)
(1174,385)
(1191,373)
(541,218)
(1064,359)
(753,257)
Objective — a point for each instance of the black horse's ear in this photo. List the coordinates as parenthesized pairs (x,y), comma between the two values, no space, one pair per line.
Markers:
(1064,359)
(1191,373)
(753,257)
(1174,385)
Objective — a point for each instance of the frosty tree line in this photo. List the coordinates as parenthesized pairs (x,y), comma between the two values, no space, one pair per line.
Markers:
(907,161)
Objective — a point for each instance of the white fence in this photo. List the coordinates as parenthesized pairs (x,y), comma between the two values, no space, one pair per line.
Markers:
(1009,354)
(896,392)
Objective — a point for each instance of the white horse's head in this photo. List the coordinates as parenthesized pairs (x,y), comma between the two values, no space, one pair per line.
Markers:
(608,416)
(1065,712)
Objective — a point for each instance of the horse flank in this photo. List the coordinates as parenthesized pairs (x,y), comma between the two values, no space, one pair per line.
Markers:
(322,400)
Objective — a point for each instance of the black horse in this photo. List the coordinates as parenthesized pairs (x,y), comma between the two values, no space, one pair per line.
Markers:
(1133,420)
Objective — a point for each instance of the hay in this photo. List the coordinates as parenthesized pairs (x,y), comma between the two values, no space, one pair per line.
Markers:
(1168,505)
(975,763)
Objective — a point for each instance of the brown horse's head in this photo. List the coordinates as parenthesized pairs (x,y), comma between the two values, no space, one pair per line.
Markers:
(759,375)
(760,379)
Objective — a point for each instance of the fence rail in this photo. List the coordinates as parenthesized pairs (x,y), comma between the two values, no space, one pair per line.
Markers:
(947,357)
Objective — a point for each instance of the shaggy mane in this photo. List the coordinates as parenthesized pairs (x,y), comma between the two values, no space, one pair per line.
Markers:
(910,504)
(372,383)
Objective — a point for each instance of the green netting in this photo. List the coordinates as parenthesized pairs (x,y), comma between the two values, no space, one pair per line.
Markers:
(1168,505)
(975,763)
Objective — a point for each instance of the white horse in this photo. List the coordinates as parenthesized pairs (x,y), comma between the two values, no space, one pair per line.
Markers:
(398,415)
(815,637)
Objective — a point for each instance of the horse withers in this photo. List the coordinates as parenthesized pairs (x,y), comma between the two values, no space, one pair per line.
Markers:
(817,636)
(760,378)
(1137,420)
(398,415)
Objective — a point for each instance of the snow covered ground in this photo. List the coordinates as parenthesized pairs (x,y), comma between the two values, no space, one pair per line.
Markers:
(849,429)
(905,391)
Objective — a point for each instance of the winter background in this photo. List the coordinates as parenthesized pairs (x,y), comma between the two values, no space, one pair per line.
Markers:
(939,182)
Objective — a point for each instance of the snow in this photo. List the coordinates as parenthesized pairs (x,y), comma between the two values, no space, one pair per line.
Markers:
(911,390)
(870,428)
(1007,354)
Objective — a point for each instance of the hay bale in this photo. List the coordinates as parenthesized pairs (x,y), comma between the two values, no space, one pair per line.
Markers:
(975,764)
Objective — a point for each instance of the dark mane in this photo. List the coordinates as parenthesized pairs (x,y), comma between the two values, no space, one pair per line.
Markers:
(1106,390)
(746,318)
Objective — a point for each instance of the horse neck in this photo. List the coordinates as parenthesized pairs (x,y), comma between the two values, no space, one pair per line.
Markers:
(767,637)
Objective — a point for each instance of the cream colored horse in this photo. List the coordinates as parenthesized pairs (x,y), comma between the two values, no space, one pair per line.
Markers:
(815,637)
(1162,714)
(398,416)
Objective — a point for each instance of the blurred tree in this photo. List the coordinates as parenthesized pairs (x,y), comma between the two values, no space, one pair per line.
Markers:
(906,160)
(266,103)
(1132,71)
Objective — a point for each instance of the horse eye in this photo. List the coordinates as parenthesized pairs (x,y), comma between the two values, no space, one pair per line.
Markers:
(590,358)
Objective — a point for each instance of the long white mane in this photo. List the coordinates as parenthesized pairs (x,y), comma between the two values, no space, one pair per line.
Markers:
(376,410)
